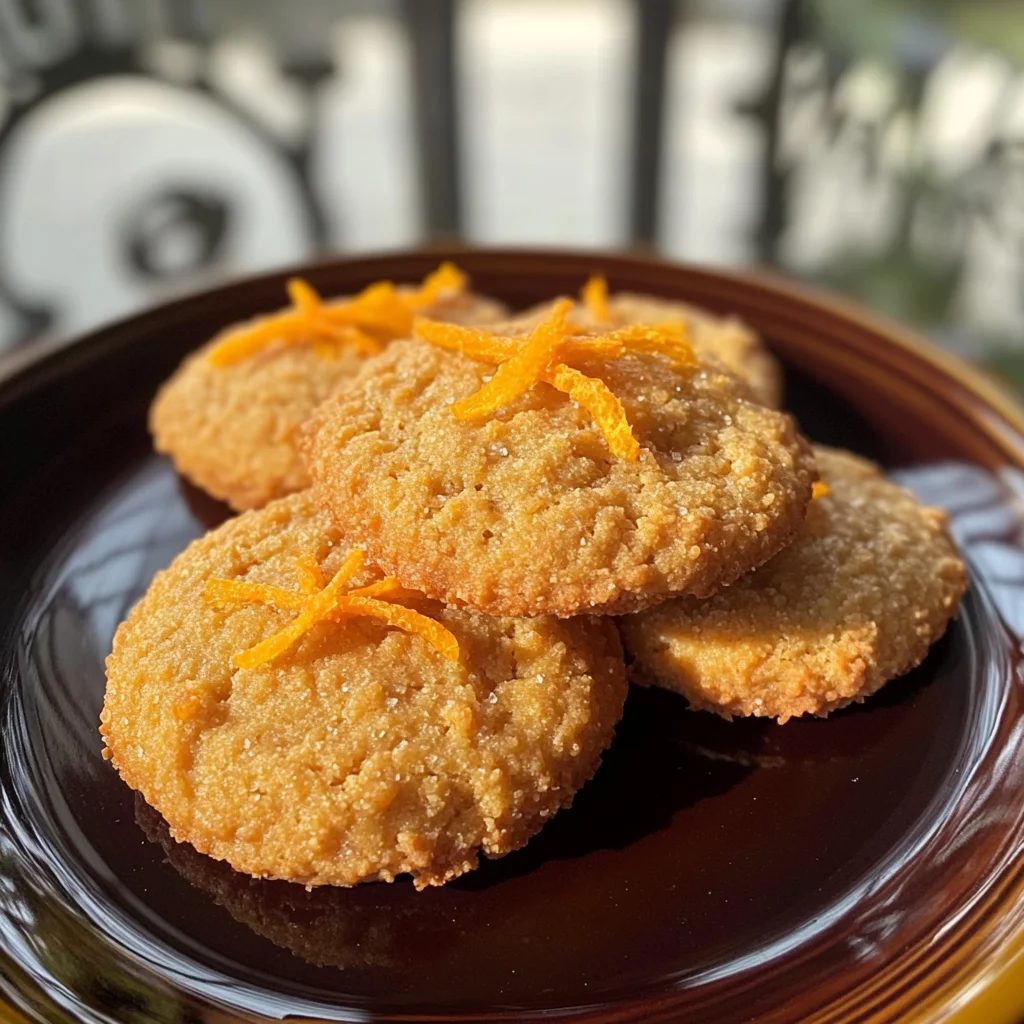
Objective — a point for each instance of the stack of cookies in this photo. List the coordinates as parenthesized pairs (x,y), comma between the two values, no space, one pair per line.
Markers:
(408,650)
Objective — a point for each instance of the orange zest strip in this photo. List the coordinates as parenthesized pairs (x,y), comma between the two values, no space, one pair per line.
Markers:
(304,296)
(388,590)
(315,608)
(601,349)
(820,490)
(595,298)
(518,374)
(219,592)
(411,621)
(317,602)
(311,576)
(380,309)
(471,341)
(597,398)
(308,322)
(377,307)
(447,280)
(350,335)
(668,340)
(247,341)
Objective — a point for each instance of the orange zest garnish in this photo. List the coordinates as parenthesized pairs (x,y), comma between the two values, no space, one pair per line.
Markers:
(311,576)
(471,341)
(820,490)
(595,298)
(329,328)
(596,397)
(543,357)
(387,590)
(379,313)
(446,280)
(411,621)
(219,591)
(516,375)
(668,340)
(316,602)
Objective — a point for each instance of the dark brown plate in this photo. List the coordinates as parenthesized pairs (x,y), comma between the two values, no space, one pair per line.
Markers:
(863,868)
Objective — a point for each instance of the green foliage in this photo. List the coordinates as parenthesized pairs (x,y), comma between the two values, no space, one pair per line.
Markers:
(884,29)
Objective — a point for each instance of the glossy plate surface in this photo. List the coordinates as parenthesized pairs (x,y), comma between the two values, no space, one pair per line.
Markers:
(863,868)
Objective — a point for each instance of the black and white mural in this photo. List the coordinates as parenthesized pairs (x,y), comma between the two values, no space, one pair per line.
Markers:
(124,174)
(149,147)
(142,155)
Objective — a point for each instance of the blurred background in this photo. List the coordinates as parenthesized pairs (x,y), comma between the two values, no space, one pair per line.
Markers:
(149,147)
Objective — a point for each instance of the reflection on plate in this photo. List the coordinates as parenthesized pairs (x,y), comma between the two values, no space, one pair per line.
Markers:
(325,926)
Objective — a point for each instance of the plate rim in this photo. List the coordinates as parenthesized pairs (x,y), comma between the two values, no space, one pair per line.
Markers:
(990,991)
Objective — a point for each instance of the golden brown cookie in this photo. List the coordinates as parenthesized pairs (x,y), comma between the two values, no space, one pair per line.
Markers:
(727,339)
(867,587)
(529,510)
(231,426)
(357,751)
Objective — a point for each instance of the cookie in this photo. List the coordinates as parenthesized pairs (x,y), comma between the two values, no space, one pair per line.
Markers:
(275,725)
(870,583)
(735,345)
(655,475)
(229,416)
